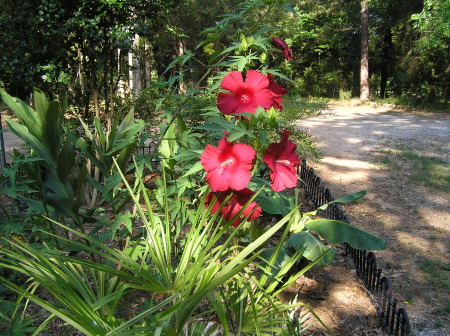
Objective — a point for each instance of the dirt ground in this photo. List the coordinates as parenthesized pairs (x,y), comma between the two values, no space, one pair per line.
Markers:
(411,215)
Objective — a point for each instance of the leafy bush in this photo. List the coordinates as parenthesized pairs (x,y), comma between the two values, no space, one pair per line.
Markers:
(173,249)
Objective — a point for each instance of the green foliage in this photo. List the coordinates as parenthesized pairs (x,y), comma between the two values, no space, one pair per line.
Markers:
(52,178)
(153,239)
(433,21)
(52,154)
(308,237)
(73,47)
(88,294)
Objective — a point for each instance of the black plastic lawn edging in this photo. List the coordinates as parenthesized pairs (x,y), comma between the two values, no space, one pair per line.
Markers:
(394,320)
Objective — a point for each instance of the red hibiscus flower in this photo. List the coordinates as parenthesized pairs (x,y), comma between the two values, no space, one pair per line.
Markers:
(236,202)
(228,165)
(245,96)
(277,92)
(280,44)
(282,160)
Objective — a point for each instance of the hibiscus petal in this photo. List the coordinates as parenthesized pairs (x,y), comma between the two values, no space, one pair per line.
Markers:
(279,43)
(211,197)
(263,98)
(218,179)
(209,158)
(227,103)
(256,80)
(231,210)
(240,177)
(253,206)
(276,89)
(282,177)
(244,154)
(233,81)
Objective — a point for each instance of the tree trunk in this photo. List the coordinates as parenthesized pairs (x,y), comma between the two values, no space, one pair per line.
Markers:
(148,64)
(121,83)
(180,50)
(364,70)
(135,69)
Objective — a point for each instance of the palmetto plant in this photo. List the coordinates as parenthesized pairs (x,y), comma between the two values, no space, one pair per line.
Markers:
(89,296)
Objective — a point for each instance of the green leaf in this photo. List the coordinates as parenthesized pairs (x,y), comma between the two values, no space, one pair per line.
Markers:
(277,74)
(23,132)
(288,8)
(85,148)
(101,134)
(275,203)
(52,127)
(124,156)
(341,232)
(194,169)
(211,127)
(168,145)
(349,198)
(343,200)
(24,113)
(313,247)
(182,127)
(65,161)
(81,178)
(282,259)
(41,103)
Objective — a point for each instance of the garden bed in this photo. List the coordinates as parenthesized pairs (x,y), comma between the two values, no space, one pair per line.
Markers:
(336,294)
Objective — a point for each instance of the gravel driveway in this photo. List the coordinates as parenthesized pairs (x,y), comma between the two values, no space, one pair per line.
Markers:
(413,217)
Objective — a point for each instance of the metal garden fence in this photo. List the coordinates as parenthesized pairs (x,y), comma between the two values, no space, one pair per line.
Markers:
(394,320)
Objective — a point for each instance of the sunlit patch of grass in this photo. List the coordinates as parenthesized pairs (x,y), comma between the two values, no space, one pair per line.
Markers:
(437,273)
(298,107)
(429,170)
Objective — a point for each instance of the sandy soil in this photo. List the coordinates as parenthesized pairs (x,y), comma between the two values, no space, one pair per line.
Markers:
(412,216)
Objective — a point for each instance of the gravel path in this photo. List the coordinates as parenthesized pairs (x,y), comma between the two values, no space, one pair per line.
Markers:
(412,218)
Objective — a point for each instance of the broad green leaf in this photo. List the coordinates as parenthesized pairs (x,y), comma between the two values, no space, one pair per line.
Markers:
(343,200)
(24,113)
(182,127)
(65,160)
(275,203)
(169,147)
(335,231)
(22,132)
(101,135)
(52,127)
(349,198)
(125,124)
(81,178)
(85,148)
(289,8)
(87,131)
(313,247)
(282,259)
(41,104)
(124,156)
